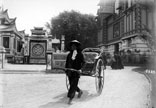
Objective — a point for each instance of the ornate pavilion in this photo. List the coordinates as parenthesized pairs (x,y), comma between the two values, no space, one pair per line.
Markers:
(10,38)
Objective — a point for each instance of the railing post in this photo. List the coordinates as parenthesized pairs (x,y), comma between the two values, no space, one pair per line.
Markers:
(49,61)
(2,59)
(2,51)
(52,61)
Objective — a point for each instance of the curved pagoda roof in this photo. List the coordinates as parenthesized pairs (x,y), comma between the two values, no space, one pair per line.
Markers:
(9,24)
(10,28)
(38,31)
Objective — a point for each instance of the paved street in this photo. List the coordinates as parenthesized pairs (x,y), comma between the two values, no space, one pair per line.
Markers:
(151,75)
(123,89)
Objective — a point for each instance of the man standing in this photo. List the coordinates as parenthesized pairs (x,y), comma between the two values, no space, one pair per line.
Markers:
(75,60)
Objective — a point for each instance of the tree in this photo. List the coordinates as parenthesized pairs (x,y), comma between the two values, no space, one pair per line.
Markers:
(74,25)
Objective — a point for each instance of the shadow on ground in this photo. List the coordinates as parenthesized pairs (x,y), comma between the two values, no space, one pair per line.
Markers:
(61,100)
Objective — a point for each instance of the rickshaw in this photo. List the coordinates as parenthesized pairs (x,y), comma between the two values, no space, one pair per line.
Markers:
(93,67)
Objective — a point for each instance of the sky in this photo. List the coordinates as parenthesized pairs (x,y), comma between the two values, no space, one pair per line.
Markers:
(35,13)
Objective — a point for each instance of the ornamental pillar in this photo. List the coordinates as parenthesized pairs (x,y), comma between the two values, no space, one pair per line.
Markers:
(49,44)
(62,43)
(0,40)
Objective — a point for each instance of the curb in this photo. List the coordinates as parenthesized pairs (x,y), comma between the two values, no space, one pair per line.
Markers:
(31,72)
(21,71)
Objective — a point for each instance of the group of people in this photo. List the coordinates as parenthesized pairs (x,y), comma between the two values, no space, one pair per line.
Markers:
(75,60)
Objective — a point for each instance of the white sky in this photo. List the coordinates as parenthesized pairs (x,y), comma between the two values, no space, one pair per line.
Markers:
(35,13)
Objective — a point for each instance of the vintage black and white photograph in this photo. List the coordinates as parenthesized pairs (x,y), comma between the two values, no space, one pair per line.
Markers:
(77,53)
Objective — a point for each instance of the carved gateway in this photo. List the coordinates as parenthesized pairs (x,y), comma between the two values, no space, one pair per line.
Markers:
(38,51)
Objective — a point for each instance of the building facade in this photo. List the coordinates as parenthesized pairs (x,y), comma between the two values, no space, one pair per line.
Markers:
(10,38)
(122,24)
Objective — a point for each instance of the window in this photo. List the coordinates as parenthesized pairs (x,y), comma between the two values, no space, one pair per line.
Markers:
(122,27)
(116,29)
(110,32)
(125,24)
(18,46)
(126,4)
(128,22)
(150,20)
(133,19)
(2,21)
(144,17)
(6,42)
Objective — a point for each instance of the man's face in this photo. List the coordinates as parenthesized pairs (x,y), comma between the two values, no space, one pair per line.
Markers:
(73,47)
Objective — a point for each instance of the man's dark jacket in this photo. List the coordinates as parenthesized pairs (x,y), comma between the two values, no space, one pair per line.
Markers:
(74,64)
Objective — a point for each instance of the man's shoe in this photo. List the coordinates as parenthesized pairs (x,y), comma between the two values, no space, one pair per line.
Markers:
(70,101)
(80,94)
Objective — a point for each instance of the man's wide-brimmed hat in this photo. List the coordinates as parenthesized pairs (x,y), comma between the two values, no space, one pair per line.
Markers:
(76,42)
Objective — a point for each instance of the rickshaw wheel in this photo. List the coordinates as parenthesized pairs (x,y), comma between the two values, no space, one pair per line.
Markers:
(99,76)
(67,83)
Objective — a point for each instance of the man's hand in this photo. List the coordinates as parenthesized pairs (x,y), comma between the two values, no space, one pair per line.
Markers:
(80,71)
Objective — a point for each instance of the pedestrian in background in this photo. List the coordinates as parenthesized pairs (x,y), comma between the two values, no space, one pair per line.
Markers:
(104,58)
(117,61)
(75,60)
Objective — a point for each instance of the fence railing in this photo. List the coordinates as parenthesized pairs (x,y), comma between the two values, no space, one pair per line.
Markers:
(55,60)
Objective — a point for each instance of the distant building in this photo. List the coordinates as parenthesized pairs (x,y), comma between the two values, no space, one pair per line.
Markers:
(10,38)
(122,24)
